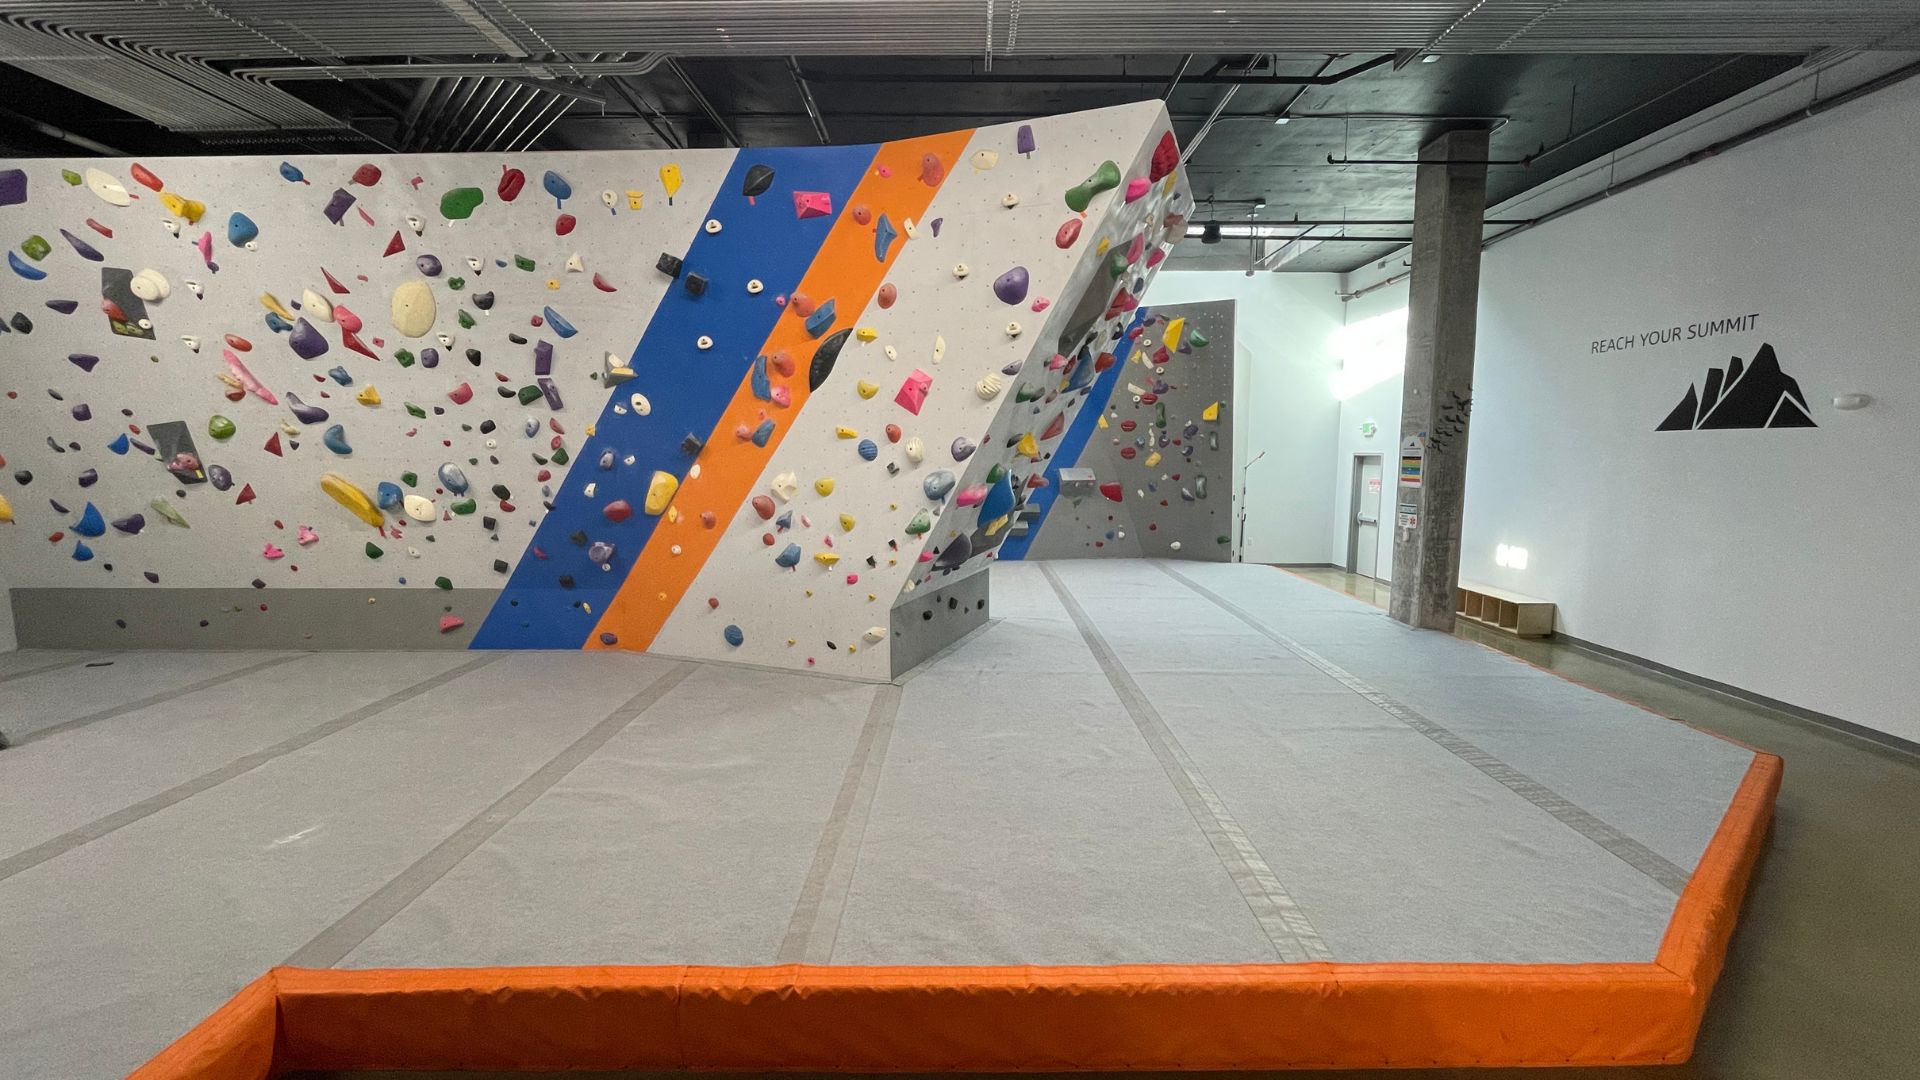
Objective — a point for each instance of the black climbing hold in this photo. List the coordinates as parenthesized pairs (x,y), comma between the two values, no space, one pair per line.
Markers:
(824,356)
(473,357)
(566,581)
(758,179)
(668,265)
(695,284)
(486,427)
(691,445)
(502,492)
(22,477)
(500,566)
(483,301)
(579,538)
(489,524)
(517,339)
(21,323)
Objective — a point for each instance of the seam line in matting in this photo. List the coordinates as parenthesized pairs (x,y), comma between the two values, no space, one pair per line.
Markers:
(1286,926)
(815,925)
(1659,869)
(71,661)
(332,945)
(120,819)
(157,699)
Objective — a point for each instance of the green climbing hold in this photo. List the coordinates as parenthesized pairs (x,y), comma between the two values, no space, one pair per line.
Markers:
(1116,263)
(529,394)
(1197,339)
(1104,178)
(416,411)
(523,262)
(464,506)
(1223,541)
(920,525)
(994,474)
(71,177)
(1028,392)
(561,457)
(165,509)
(373,550)
(36,247)
(443,583)
(456,283)
(411,479)
(460,203)
(1161,421)
(220,427)
(404,357)
(466,320)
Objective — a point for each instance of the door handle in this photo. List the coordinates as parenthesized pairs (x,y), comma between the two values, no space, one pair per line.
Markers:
(1367,520)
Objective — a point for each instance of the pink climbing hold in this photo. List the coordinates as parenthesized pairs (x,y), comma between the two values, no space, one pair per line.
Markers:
(272,552)
(913,392)
(307,537)
(812,204)
(461,394)
(451,622)
(1137,187)
(932,171)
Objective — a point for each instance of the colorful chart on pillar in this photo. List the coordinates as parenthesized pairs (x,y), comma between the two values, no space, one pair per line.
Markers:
(1147,468)
(754,405)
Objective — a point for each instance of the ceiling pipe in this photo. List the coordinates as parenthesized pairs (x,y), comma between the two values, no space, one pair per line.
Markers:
(700,99)
(60,134)
(806,99)
(1117,78)
(1185,62)
(542,70)
(1218,108)
(1521,162)
(647,112)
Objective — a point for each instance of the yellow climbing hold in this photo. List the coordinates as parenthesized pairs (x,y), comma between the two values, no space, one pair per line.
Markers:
(824,485)
(1029,446)
(1153,459)
(369,397)
(347,494)
(846,522)
(1103,421)
(660,491)
(191,209)
(826,558)
(1101,248)
(846,432)
(997,524)
(1211,412)
(6,509)
(1176,332)
(866,389)
(272,303)
(867,333)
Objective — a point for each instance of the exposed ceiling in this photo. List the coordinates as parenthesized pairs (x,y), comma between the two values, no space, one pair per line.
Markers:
(1559,82)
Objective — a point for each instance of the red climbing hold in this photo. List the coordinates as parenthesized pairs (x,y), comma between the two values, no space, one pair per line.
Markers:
(367,175)
(617,511)
(246,494)
(461,394)
(511,181)
(451,622)
(352,341)
(273,444)
(1166,157)
(564,224)
(1111,490)
(333,283)
(146,177)
(395,245)
(602,284)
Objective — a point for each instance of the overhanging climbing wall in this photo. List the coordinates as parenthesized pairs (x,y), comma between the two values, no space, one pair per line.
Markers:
(777,406)
(1152,475)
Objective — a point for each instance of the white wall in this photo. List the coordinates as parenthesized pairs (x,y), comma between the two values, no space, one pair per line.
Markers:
(1779,561)
(1378,403)
(1283,400)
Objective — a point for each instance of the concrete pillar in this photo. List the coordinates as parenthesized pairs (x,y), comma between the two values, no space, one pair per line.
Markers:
(1449,203)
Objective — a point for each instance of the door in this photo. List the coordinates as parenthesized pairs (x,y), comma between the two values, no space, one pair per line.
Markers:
(1363,534)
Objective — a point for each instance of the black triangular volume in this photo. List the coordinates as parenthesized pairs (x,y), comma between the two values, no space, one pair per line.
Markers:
(1790,414)
(1681,418)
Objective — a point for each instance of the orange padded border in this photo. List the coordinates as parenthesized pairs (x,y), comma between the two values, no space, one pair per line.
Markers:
(1000,1019)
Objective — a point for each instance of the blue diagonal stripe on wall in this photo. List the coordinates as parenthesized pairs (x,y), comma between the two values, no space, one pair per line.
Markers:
(1074,442)
(557,593)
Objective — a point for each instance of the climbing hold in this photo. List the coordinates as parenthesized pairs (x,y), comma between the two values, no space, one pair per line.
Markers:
(90,523)
(428,265)
(25,269)
(335,439)
(755,286)
(825,356)
(937,485)
(461,394)
(1111,491)
(559,324)
(957,552)
(962,448)
(419,508)
(92,254)
(763,506)
(1211,412)
(459,203)
(913,392)
(785,485)
(453,479)
(1137,187)
(734,635)
(824,485)
(387,495)
(916,450)
(413,309)
(789,557)
(988,387)
(347,494)
(1104,178)
(1009,200)
(1011,287)
(220,427)
(821,319)
(812,204)
(557,187)
(241,231)
(369,396)
(932,171)
(868,449)
(1028,446)
(305,413)
(1166,157)
(884,234)
(826,558)
(660,492)
(107,188)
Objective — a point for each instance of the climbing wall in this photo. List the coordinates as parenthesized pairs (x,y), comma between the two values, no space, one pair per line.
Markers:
(1152,474)
(778,406)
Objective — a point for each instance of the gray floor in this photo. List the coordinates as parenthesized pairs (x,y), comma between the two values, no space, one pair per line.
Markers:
(1136,761)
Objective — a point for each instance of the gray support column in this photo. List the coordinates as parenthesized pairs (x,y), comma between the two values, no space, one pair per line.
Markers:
(1449,203)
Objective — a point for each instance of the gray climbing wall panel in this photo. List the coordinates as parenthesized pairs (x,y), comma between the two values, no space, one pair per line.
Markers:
(1174,467)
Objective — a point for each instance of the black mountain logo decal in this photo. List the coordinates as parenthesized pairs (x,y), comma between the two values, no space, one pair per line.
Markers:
(1759,395)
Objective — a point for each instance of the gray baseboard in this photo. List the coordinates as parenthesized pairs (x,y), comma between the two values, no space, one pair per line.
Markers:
(322,619)
(1819,719)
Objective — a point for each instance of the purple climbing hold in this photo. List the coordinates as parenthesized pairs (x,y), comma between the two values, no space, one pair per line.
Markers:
(1011,287)
(89,478)
(957,552)
(13,187)
(543,358)
(307,341)
(429,357)
(82,412)
(83,361)
(220,477)
(428,265)
(305,413)
(935,226)
(64,307)
(962,448)
(154,579)
(338,206)
(131,524)
(85,250)
(1023,139)
(600,553)
(552,392)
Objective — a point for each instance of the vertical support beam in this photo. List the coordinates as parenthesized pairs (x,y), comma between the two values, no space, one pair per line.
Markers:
(1449,203)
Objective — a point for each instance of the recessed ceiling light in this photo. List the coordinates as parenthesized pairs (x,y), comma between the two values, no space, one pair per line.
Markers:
(1281,119)
(1429,58)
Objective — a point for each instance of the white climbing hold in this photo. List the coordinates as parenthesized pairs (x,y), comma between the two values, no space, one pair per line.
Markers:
(316,306)
(939,348)
(961,270)
(754,286)
(419,507)
(786,486)
(1009,200)
(916,450)
(988,388)
(713,226)
(703,343)
(875,634)
(575,264)
(1013,329)
(640,404)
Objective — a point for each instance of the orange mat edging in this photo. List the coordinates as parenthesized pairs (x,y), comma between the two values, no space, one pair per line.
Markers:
(1000,1019)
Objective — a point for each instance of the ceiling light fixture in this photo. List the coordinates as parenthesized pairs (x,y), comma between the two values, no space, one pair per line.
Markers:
(1210,233)
(1281,119)
(1430,58)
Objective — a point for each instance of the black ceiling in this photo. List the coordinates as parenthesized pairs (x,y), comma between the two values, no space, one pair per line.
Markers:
(1562,110)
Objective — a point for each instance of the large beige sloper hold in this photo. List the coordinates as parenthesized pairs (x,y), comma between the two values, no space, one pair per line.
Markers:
(312,303)
(419,508)
(413,309)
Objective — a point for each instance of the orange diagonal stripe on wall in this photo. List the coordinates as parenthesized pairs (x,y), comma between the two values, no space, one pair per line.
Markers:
(844,271)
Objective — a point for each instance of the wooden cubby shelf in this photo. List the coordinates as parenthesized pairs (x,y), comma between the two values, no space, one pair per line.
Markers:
(1523,616)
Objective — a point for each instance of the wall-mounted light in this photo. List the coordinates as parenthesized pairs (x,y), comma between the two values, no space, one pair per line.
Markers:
(1281,119)
(1430,58)
(1850,402)
(1510,556)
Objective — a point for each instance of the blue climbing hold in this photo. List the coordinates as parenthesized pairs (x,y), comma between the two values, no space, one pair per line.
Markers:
(821,319)
(388,495)
(559,323)
(998,501)
(25,269)
(733,635)
(790,557)
(241,230)
(761,385)
(868,449)
(336,440)
(883,237)
(291,174)
(763,433)
(90,523)
(339,374)
(557,187)
(81,552)
(119,445)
